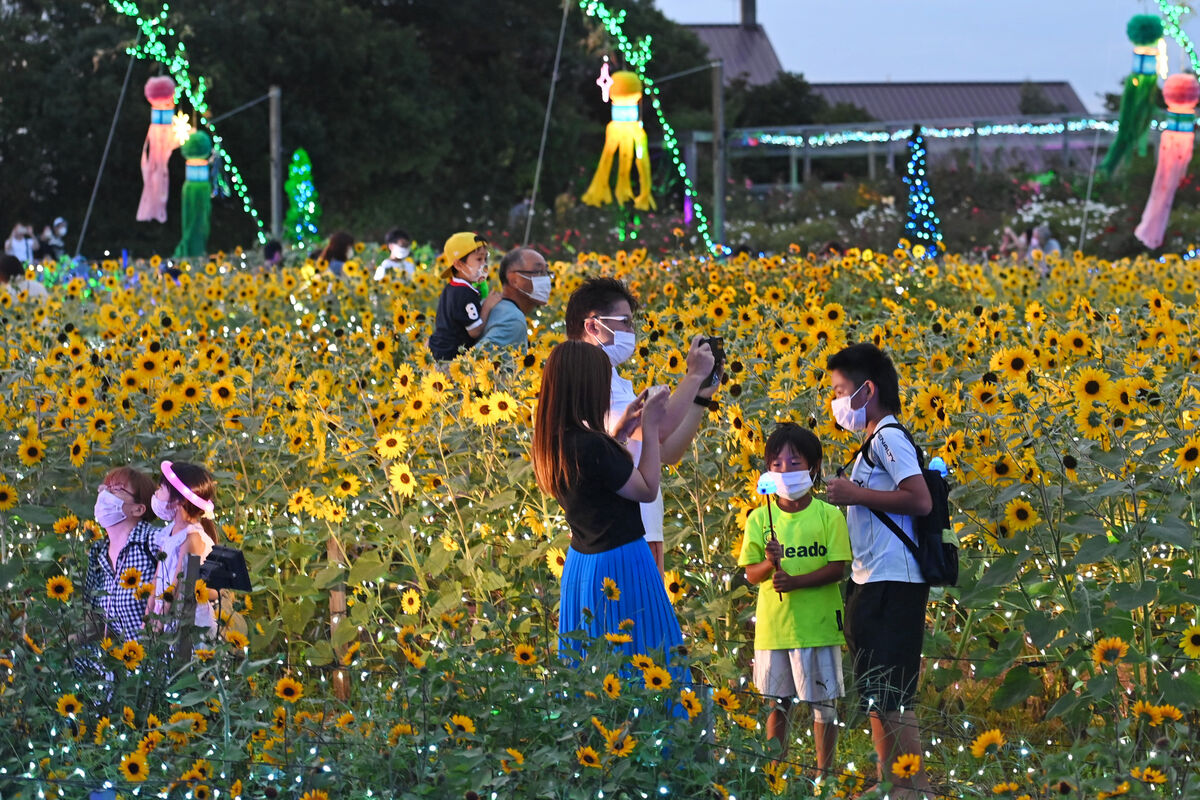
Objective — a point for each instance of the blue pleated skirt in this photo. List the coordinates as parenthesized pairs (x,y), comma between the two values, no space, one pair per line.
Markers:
(643,599)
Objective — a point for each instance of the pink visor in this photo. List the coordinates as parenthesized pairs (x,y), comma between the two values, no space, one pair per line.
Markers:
(199,502)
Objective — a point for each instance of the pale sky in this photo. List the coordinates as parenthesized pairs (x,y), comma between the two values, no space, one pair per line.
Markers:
(1079,41)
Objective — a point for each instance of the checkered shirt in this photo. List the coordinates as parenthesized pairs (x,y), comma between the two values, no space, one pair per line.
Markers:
(120,609)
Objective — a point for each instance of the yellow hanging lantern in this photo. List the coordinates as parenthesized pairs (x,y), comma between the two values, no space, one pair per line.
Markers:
(624,137)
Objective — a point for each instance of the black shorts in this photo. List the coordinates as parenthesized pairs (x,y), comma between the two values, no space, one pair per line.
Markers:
(885,630)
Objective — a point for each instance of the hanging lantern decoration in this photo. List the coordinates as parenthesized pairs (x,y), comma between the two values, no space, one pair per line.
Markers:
(624,138)
(1137,100)
(156,150)
(196,202)
(1181,92)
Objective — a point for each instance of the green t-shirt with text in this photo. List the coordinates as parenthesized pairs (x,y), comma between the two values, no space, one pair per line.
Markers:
(811,538)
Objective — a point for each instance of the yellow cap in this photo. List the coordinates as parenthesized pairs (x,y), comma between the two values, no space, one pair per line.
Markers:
(460,245)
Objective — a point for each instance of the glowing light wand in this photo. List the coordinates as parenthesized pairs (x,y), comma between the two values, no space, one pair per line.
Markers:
(768,484)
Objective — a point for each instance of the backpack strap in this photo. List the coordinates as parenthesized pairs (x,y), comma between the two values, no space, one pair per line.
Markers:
(865,451)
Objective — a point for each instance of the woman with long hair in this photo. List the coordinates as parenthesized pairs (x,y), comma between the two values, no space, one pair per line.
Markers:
(337,252)
(610,575)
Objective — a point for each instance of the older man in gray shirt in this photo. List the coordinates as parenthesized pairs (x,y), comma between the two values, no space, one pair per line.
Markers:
(525,283)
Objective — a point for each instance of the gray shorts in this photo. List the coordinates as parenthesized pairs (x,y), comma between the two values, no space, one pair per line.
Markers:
(812,674)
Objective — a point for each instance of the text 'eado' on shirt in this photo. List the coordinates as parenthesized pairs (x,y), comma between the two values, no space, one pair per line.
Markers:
(458,312)
(878,554)
(811,538)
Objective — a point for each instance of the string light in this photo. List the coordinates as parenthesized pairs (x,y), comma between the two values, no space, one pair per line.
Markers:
(921,228)
(862,136)
(153,47)
(637,55)
(303,209)
(1173,24)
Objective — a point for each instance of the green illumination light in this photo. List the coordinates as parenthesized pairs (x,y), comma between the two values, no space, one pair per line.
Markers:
(153,48)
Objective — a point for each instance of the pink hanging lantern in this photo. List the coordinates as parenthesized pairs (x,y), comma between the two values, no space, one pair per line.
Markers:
(1181,92)
(156,151)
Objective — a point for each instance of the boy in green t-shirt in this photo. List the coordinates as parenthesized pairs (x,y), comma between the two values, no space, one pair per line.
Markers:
(797,555)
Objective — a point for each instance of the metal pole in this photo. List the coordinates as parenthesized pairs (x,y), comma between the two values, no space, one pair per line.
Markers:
(537,172)
(107,144)
(276,164)
(718,101)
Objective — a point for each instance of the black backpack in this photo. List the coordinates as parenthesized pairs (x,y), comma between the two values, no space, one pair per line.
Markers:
(937,558)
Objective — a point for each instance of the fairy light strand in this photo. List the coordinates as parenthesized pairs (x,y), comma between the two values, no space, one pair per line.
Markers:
(155,31)
(637,55)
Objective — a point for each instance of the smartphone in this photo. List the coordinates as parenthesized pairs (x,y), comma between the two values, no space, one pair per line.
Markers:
(717,345)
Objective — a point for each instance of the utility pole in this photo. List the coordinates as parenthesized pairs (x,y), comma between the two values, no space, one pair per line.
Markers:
(276,164)
(718,101)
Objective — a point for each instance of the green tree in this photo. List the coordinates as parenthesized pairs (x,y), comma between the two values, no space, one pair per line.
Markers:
(301,226)
(1035,101)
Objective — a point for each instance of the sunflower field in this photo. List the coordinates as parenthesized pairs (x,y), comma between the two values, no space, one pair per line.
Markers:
(400,640)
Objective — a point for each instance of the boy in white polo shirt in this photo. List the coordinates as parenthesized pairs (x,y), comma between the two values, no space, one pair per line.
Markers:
(886,594)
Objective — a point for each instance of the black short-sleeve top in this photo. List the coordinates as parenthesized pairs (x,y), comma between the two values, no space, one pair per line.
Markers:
(459,311)
(600,519)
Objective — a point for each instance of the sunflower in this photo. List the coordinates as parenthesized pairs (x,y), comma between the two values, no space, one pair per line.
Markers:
(518,760)
(618,638)
(1190,643)
(1006,787)
(1013,363)
(612,686)
(524,654)
(588,757)
(32,450)
(133,767)
(690,703)
(460,724)
(289,689)
(1170,712)
(1091,385)
(657,678)
(621,746)
(301,500)
(985,395)
(315,794)
(391,445)
(1109,651)
(1000,469)
(1120,789)
(1019,515)
(8,497)
(68,705)
(610,589)
(149,365)
(410,601)
(222,393)
(59,587)
(1187,458)
(347,486)
(401,479)
(726,699)
(987,743)
(166,407)
(130,654)
(1148,775)
(906,765)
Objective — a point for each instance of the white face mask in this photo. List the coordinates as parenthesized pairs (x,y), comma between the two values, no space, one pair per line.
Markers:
(788,485)
(850,418)
(162,509)
(399,251)
(623,345)
(540,291)
(794,485)
(109,510)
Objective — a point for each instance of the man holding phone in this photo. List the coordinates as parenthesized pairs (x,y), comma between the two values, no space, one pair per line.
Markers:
(601,312)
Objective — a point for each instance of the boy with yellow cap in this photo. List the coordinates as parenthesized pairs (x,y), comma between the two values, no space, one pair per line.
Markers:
(462,311)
